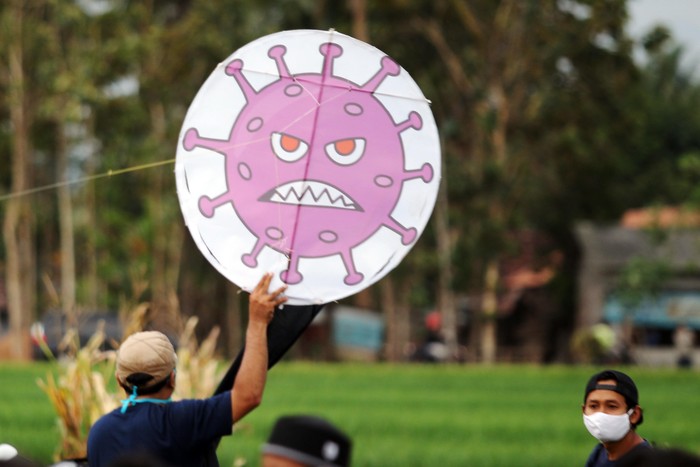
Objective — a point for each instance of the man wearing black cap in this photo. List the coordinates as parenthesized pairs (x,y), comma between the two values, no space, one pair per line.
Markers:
(306,441)
(611,413)
(180,433)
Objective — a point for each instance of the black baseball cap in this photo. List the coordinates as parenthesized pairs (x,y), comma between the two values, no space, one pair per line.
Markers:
(309,440)
(624,386)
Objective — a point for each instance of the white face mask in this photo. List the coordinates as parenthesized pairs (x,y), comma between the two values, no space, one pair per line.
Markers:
(608,428)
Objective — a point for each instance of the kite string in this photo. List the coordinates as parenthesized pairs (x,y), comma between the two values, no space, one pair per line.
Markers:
(108,173)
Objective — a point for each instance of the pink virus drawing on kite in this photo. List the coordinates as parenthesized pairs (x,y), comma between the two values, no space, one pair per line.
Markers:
(314,163)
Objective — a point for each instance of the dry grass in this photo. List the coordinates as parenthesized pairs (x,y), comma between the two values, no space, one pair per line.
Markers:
(198,369)
(79,393)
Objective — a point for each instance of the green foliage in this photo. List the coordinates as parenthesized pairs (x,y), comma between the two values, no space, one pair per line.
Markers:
(640,279)
(545,120)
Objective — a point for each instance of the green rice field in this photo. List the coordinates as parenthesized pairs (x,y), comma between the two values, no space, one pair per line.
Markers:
(412,415)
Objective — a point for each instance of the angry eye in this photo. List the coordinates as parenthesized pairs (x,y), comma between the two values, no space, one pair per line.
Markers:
(346,151)
(288,148)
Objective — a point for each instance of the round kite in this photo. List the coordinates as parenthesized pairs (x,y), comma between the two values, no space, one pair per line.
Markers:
(312,155)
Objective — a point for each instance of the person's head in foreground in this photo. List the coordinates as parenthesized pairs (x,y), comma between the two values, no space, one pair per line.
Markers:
(611,414)
(306,441)
(146,364)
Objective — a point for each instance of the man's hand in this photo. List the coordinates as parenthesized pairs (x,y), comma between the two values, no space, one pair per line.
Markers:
(262,303)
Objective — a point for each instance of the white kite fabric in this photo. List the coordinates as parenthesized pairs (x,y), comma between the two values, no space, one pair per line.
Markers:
(312,155)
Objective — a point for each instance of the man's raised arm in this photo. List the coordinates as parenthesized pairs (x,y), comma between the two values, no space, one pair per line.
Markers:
(248,389)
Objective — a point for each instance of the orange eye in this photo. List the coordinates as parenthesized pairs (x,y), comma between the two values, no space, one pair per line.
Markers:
(345,147)
(289,143)
(287,147)
(346,151)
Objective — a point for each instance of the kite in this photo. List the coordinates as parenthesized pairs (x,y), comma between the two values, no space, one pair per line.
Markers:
(312,155)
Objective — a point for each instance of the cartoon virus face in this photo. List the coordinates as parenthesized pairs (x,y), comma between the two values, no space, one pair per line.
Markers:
(314,162)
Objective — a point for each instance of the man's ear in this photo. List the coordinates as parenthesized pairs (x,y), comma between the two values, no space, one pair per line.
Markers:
(121,385)
(171,381)
(636,415)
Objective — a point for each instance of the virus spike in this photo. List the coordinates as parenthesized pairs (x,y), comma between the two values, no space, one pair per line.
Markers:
(413,121)
(208,205)
(277,54)
(353,277)
(425,173)
(251,259)
(193,140)
(292,274)
(330,51)
(235,69)
(407,235)
(389,68)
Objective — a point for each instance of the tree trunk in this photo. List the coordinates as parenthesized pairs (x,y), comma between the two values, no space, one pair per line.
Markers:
(403,320)
(17,225)
(489,304)
(359,19)
(397,311)
(160,232)
(446,300)
(167,237)
(65,219)
(92,282)
(386,287)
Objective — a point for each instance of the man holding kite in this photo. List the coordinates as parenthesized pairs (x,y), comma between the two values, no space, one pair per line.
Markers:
(184,432)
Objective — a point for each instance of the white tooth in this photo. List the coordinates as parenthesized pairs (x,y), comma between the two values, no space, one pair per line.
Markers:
(297,192)
(307,197)
(312,193)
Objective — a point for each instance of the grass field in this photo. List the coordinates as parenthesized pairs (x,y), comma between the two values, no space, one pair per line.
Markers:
(413,415)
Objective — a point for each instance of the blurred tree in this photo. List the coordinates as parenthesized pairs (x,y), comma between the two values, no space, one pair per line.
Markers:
(18,22)
(69,68)
(543,115)
(667,152)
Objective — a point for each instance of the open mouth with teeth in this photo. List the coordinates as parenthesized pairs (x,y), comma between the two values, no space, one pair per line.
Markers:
(310,193)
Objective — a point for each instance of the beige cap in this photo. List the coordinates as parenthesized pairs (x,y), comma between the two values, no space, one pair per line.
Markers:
(148,352)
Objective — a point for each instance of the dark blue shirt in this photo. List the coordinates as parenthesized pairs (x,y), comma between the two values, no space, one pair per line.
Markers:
(179,433)
(599,456)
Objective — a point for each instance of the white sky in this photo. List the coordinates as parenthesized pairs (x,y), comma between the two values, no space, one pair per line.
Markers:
(682,17)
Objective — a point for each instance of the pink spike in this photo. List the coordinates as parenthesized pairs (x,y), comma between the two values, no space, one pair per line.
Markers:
(425,173)
(292,274)
(330,51)
(234,69)
(352,277)
(193,140)
(407,235)
(413,121)
(251,259)
(389,68)
(208,205)
(277,54)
